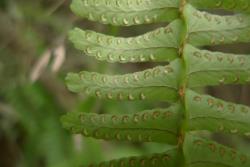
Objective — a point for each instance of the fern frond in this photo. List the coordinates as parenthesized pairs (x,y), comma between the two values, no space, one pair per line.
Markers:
(166,159)
(215,68)
(208,113)
(157,125)
(230,5)
(158,83)
(159,45)
(210,29)
(126,12)
(189,67)
(201,152)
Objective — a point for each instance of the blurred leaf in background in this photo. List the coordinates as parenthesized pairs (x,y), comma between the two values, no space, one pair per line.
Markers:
(30,130)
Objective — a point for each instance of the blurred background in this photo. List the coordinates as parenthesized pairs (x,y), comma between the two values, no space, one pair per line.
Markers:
(35,56)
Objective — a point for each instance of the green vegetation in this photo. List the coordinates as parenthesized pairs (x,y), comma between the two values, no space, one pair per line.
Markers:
(171,87)
(181,43)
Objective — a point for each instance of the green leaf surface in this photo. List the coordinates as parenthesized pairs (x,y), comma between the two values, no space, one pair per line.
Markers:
(126,12)
(159,83)
(215,68)
(159,45)
(209,29)
(157,125)
(229,5)
(201,152)
(209,113)
(166,159)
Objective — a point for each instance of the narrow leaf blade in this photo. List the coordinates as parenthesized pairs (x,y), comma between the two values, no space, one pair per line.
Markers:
(159,83)
(212,114)
(126,12)
(166,159)
(206,68)
(201,152)
(159,45)
(229,5)
(210,29)
(157,125)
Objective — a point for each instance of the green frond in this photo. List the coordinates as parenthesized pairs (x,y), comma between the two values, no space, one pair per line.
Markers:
(166,159)
(159,83)
(159,45)
(157,125)
(127,12)
(215,68)
(200,152)
(230,5)
(209,113)
(210,29)
(189,67)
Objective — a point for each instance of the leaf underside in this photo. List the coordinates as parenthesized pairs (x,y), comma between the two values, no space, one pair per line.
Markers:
(178,43)
(201,152)
(166,159)
(159,45)
(230,5)
(157,125)
(205,29)
(127,12)
(159,83)
(206,68)
(208,113)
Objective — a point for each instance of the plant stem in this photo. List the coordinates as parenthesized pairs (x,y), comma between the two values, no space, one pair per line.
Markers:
(182,86)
